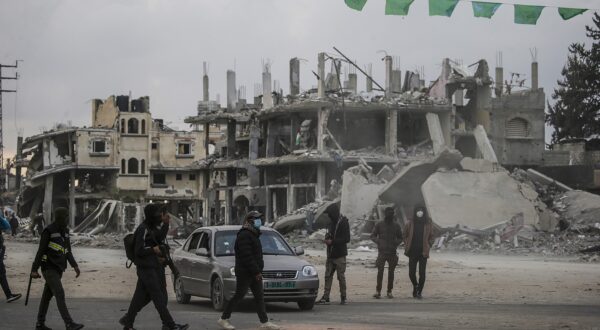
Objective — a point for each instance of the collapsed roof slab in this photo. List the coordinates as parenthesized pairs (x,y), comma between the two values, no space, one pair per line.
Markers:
(313,158)
(405,188)
(219,117)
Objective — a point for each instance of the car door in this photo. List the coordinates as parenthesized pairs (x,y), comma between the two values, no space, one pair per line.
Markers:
(203,268)
(187,262)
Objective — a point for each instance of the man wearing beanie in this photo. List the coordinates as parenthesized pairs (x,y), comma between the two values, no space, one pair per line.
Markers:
(53,254)
(150,268)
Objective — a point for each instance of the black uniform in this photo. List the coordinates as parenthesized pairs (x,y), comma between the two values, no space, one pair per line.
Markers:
(3,281)
(151,284)
(53,254)
(248,264)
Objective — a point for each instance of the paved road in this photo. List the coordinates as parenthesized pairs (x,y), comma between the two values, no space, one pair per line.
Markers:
(399,313)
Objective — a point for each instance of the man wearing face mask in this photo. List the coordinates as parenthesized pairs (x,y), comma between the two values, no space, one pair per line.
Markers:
(249,265)
(53,254)
(387,234)
(417,235)
(150,269)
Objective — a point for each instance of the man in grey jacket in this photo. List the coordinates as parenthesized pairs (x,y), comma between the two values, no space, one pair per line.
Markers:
(387,234)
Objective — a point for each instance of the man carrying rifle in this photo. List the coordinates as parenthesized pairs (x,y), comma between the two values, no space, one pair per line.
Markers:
(150,260)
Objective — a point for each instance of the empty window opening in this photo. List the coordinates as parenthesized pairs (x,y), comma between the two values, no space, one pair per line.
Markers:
(132,166)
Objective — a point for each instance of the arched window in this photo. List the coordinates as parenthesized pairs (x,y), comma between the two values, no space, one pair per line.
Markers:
(132,166)
(123,166)
(123,126)
(143,166)
(132,126)
(143,126)
(517,128)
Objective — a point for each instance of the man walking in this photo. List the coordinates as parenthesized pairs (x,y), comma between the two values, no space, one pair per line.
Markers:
(337,239)
(150,268)
(387,234)
(10,297)
(248,271)
(52,256)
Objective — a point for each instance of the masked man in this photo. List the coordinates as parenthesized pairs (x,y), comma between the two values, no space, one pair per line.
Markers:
(387,234)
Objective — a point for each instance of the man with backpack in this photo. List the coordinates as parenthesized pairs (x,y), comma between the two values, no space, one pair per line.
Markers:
(150,267)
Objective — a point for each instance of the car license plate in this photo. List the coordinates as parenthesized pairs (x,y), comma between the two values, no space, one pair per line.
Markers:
(280,285)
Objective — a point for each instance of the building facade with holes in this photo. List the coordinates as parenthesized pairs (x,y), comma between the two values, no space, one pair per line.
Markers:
(517,127)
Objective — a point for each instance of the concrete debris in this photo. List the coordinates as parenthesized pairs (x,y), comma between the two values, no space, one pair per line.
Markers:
(477,165)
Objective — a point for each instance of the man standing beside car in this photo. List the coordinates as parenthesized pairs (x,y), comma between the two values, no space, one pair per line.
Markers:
(249,265)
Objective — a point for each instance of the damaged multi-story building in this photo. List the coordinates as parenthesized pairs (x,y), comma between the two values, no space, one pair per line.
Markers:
(105,172)
(284,152)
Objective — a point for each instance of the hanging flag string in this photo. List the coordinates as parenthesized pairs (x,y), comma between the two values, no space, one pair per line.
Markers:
(523,14)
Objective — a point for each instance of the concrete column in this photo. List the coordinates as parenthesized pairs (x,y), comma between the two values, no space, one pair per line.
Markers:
(484,144)
(446,126)
(47,206)
(267,197)
(321,73)
(228,206)
(294,76)
(267,100)
(321,181)
(231,91)
(499,81)
(291,197)
(534,76)
(459,98)
(396,82)
(388,76)
(435,132)
(72,209)
(253,173)
(19,160)
(483,103)
(369,80)
(321,126)
(197,205)
(353,83)
(206,139)
(231,145)
(271,135)
(391,132)
(205,96)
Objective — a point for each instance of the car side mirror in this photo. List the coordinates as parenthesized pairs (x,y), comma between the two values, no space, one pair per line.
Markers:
(299,250)
(203,252)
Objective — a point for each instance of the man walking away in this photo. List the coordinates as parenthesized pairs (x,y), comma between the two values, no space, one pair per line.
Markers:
(387,234)
(150,268)
(249,265)
(10,297)
(417,235)
(52,256)
(14,223)
(337,239)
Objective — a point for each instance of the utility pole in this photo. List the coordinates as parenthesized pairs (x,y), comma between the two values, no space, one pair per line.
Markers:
(4,173)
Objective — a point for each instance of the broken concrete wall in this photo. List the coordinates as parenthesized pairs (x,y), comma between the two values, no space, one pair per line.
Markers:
(477,200)
(105,114)
(88,147)
(358,196)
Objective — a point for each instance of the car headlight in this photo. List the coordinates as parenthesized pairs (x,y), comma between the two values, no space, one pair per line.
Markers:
(232,271)
(309,271)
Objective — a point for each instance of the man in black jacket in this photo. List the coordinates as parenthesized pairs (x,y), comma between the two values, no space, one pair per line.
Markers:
(337,238)
(10,297)
(52,256)
(387,234)
(150,268)
(249,265)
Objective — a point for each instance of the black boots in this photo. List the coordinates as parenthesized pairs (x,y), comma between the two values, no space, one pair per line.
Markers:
(415,291)
(176,327)
(74,326)
(42,326)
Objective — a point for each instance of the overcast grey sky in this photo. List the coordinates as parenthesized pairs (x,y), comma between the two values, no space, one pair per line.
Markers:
(75,51)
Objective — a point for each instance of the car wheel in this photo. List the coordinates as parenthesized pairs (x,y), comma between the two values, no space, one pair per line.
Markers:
(306,305)
(217,294)
(182,297)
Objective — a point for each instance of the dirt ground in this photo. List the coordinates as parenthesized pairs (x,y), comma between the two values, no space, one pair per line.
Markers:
(451,277)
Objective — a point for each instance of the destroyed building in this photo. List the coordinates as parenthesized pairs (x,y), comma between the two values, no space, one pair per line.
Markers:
(105,173)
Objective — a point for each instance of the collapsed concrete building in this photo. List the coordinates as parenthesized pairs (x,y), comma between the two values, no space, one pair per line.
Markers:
(286,155)
(105,173)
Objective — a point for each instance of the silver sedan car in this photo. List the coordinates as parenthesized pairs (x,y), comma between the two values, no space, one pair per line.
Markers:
(206,265)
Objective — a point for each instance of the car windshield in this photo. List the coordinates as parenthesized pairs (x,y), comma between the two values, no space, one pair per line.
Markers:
(272,244)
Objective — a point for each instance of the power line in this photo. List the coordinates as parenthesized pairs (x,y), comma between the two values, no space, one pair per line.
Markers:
(3,172)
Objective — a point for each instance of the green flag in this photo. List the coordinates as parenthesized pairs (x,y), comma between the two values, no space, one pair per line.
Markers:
(397,7)
(568,13)
(527,14)
(356,4)
(485,9)
(442,7)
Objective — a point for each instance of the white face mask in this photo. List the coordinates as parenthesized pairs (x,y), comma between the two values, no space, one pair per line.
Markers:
(419,214)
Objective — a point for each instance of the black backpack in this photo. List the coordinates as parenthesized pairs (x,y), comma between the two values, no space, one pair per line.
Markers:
(129,242)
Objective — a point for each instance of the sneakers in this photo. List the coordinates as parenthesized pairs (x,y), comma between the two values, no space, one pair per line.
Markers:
(323,301)
(377,295)
(390,295)
(176,327)
(13,297)
(74,326)
(269,325)
(42,326)
(225,324)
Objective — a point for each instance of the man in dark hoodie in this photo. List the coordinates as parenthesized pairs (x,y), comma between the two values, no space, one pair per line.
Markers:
(387,234)
(249,265)
(10,297)
(52,256)
(417,236)
(150,268)
(337,239)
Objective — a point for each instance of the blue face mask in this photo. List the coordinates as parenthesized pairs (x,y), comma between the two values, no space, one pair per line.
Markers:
(257,223)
